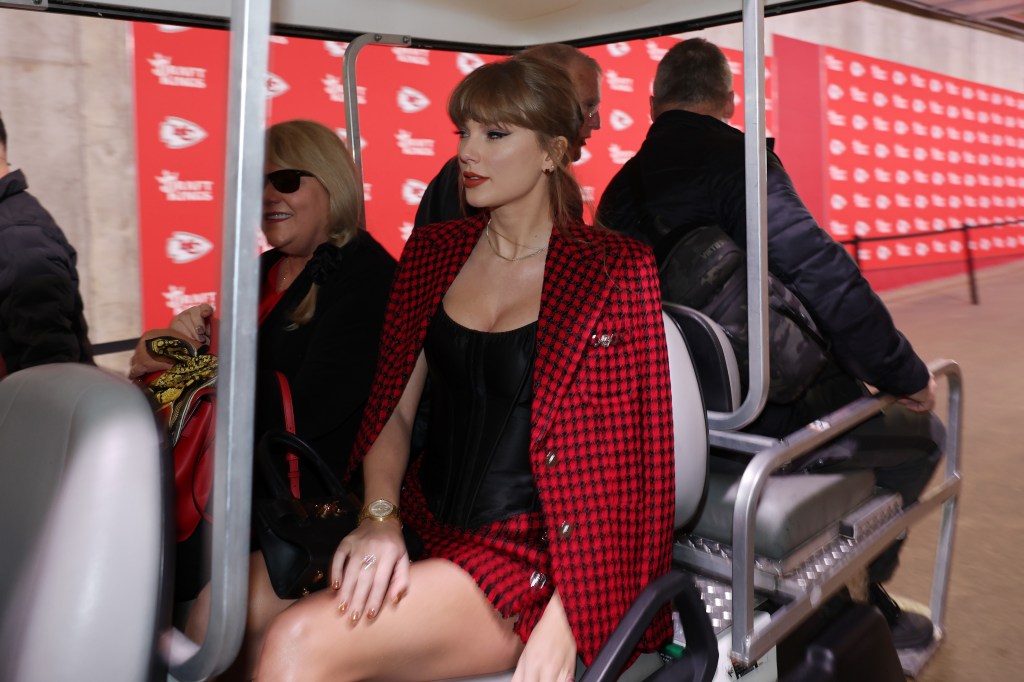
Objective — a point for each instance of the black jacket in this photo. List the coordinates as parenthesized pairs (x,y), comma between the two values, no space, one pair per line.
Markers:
(689,171)
(329,362)
(41,312)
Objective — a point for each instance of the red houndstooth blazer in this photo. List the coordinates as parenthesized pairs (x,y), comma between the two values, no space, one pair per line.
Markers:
(601,441)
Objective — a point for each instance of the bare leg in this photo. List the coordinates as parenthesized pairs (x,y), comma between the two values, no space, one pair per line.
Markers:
(444,627)
(263,606)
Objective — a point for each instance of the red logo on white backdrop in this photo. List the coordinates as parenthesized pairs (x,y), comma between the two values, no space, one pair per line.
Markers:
(335,90)
(176,189)
(655,51)
(412,55)
(619,49)
(618,155)
(411,101)
(185,247)
(173,75)
(334,48)
(619,120)
(276,86)
(467,63)
(179,299)
(617,82)
(412,191)
(412,146)
(179,133)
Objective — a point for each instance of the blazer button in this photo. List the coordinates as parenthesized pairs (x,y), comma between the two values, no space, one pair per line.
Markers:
(551,458)
(538,580)
(565,530)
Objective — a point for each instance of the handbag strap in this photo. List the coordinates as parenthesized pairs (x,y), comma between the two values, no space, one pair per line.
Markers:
(289,424)
(301,449)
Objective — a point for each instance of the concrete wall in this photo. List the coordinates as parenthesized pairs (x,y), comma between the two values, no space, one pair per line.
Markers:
(66,100)
(66,97)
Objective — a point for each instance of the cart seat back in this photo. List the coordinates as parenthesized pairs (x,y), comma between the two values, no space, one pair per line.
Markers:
(83,505)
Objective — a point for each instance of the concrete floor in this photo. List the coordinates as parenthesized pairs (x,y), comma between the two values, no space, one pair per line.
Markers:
(985,611)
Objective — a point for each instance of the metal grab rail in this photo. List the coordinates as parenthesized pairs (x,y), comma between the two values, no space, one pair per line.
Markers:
(748,646)
(232,483)
(755,177)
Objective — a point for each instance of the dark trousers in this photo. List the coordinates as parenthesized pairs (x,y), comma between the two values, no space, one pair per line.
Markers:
(901,447)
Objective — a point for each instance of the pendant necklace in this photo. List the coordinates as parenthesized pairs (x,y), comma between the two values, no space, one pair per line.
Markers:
(513,259)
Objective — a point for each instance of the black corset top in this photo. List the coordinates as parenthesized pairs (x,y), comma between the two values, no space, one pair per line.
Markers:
(477,468)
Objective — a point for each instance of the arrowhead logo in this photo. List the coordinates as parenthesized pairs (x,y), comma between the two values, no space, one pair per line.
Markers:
(411,100)
(179,133)
(185,247)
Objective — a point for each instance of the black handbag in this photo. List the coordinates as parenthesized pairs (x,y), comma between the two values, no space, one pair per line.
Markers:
(298,537)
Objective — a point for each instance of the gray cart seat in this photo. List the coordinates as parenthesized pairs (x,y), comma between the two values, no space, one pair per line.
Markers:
(83,501)
(794,509)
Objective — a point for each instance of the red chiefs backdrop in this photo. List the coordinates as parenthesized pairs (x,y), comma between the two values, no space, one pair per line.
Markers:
(895,151)
(181,112)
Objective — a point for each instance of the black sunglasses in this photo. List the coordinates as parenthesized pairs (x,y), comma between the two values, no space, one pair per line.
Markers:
(286,180)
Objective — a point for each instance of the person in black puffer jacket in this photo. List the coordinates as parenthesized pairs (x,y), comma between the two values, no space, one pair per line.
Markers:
(41,311)
(689,173)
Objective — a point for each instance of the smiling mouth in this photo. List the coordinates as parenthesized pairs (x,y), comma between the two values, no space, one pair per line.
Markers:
(472,180)
(274,217)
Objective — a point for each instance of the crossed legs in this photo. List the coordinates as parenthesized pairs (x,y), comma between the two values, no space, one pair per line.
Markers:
(443,627)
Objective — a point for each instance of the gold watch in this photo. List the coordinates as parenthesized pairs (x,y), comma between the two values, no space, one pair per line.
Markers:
(380,510)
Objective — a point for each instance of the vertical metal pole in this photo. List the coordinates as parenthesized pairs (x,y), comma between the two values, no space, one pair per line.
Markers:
(236,382)
(755,174)
(972,283)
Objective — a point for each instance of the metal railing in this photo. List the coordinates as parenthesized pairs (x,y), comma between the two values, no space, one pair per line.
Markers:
(969,255)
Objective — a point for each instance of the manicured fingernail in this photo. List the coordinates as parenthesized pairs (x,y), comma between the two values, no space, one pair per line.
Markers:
(399,596)
(336,585)
(342,607)
(355,616)
(371,614)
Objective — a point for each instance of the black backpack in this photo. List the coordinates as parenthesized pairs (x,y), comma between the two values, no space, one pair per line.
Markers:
(703,268)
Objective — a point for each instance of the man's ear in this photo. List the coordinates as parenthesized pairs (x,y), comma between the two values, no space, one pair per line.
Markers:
(729,108)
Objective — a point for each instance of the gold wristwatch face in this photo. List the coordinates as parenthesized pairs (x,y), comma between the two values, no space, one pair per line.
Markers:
(380,509)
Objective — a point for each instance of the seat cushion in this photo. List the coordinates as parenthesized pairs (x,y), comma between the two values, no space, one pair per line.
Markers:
(793,509)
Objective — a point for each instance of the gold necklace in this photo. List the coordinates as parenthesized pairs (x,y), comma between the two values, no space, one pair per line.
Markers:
(513,259)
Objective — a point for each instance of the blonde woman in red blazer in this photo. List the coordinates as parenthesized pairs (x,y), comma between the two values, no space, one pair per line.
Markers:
(564,527)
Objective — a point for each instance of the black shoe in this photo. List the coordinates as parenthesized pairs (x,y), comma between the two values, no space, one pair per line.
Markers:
(909,630)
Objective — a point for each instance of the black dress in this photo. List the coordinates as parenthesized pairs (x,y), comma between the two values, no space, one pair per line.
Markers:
(471,495)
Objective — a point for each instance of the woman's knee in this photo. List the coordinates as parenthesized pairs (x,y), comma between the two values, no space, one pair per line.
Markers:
(286,644)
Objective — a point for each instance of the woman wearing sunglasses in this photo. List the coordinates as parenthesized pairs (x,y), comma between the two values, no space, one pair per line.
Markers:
(544,490)
(324,288)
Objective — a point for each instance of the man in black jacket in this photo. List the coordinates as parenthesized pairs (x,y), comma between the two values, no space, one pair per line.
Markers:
(41,318)
(689,172)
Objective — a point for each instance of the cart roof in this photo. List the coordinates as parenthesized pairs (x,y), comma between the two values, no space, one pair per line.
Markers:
(494,24)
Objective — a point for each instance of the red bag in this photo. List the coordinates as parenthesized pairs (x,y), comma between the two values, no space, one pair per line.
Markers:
(187,395)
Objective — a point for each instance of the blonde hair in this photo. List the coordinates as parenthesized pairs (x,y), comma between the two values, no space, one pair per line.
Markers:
(532,94)
(313,147)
